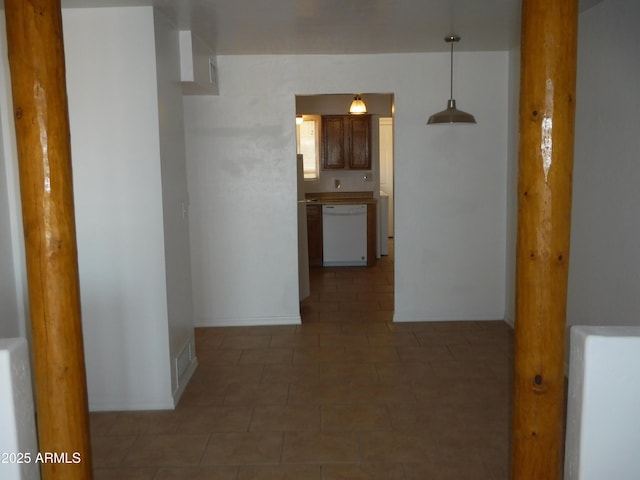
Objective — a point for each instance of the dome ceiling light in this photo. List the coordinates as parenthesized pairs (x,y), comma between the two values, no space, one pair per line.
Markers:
(357,106)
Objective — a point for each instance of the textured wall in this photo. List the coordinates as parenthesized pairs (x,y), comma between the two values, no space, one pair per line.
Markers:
(18,443)
(450,183)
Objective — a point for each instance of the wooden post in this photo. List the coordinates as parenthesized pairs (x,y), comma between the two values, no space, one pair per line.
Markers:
(547,112)
(36,59)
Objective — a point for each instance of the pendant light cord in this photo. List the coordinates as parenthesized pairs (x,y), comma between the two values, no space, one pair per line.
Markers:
(451,39)
(451,76)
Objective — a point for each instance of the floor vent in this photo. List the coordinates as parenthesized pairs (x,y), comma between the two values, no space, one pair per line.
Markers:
(183,361)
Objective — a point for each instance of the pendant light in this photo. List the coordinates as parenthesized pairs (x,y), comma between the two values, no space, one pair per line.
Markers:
(357,106)
(451,114)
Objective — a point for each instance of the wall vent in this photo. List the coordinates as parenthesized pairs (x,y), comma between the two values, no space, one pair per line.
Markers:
(183,361)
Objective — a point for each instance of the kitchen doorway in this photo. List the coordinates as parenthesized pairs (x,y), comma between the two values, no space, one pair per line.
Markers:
(377,182)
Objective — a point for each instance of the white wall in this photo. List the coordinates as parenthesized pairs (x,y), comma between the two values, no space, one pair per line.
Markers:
(18,432)
(130,188)
(9,318)
(604,276)
(241,164)
(603,425)
(450,183)
(12,271)
(512,185)
(113,107)
(175,197)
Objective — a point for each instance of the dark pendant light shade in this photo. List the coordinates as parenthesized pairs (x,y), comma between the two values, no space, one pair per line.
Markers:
(451,114)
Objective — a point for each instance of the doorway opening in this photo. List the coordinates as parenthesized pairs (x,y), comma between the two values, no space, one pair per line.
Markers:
(345,291)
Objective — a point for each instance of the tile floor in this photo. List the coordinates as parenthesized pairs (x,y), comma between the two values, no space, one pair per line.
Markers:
(346,395)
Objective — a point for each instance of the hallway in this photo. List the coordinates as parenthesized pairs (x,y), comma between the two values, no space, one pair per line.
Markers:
(345,395)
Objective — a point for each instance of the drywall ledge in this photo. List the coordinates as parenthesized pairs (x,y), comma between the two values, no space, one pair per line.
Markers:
(584,5)
(198,68)
(18,443)
(603,413)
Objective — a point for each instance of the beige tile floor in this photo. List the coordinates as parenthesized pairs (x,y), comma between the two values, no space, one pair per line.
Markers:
(346,395)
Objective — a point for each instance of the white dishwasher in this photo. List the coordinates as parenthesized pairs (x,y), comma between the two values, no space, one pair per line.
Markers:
(344,235)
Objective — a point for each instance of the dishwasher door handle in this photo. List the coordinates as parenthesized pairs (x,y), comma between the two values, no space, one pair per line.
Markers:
(343,214)
(344,209)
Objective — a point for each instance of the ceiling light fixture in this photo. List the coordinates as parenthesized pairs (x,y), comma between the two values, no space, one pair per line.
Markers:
(299,119)
(451,114)
(357,106)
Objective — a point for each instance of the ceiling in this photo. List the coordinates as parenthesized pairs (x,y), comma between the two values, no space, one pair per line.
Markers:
(238,27)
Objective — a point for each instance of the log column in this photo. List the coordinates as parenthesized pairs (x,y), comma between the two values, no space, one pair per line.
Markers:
(547,111)
(36,59)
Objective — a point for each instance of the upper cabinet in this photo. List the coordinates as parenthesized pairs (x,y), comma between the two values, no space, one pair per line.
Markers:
(346,142)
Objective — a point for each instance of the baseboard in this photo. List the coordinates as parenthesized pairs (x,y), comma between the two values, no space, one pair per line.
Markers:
(413,317)
(247,321)
(131,406)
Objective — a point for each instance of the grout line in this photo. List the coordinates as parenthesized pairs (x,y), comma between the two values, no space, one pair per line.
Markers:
(253,413)
(206,445)
(282,449)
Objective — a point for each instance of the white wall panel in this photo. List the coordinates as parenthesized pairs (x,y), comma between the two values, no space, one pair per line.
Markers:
(450,183)
(604,275)
(603,425)
(113,109)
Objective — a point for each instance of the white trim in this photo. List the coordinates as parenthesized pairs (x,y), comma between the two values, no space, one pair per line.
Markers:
(417,317)
(247,321)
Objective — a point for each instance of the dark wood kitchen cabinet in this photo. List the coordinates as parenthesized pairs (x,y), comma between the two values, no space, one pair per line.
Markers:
(346,142)
(314,234)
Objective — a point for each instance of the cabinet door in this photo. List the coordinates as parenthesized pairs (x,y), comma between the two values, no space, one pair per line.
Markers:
(333,142)
(314,234)
(359,134)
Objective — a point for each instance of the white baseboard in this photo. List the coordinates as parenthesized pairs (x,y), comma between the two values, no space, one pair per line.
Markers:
(414,317)
(247,321)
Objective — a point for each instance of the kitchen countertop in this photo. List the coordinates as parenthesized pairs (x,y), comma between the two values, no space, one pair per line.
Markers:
(343,198)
